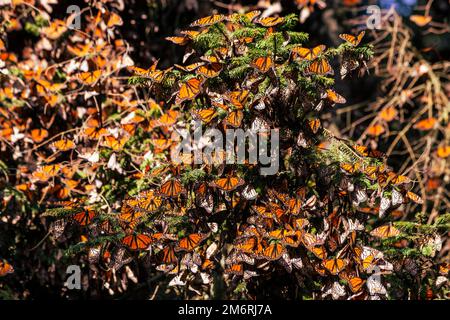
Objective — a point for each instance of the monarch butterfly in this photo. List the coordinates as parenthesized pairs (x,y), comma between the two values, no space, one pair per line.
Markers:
(128,212)
(114,143)
(252,14)
(206,115)
(263,64)
(191,33)
(190,242)
(227,184)
(94,133)
(168,255)
(5,268)
(161,144)
(168,119)
(114,20)
(314,124)
(172,188)
(65,191)
(292,238)
(137,241)
(444,268)
(90,77)
(273,251)
(85,217)
(414,197)
(375,130)
(189,90)
(46,172)
(234,118)
(190,67)
(425,124)
(269,21)
(208,21)
(421,21)
(443,151)
(210,71)
(353,40)
(146,201)
(334,266)
(158,75)
(237,269)
(318,251)
(388,114)
(355,284)
(385,231)
(55,29)
(397,179)
(310,240)
(308,54)
(320,67)
(178,40)
(335,97)
(63,145)
(350,168)
(249,245)
(238,98)
(38,135)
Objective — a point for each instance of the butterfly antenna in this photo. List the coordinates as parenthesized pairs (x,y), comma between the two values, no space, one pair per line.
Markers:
(40,242)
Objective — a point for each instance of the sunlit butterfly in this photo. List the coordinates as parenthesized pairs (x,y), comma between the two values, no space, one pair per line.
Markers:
(205,115)
(425,124)
(334,266)
(85,217)
(171,188)
(137,241)
(421,21)
(375,130)
(168,119)
(263,64)
(351,39)
(63,145)
(38,135)
(95,133)
(236,269)
(5,268)
(90,77)
(397,178)
(146,201)
(234,118)
(238,98)
(269,21)
(190,242)
(320,66)
(207,21)
(178,40)
(350,168)
(314,125)
(114,143)
(46,172)
(308,54)
(385,231)
(334,97)
(168,255)
(228,183)
(414,197)
(191,67)
(210,70)
(273,251)
(443,151)
(189,90)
